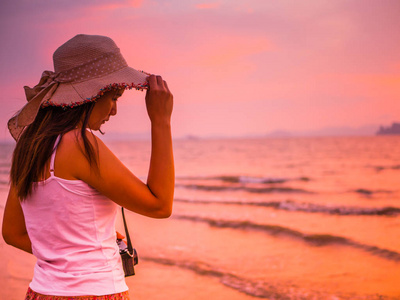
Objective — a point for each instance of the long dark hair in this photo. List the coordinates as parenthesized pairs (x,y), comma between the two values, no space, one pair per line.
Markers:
(35,145)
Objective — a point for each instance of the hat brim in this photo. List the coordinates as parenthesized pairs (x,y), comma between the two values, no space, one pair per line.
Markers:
(77,93)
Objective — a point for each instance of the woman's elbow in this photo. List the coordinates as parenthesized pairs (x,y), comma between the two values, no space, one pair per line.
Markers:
(8,237)
(167,213)
(19,241)
(157,208)
(163,212)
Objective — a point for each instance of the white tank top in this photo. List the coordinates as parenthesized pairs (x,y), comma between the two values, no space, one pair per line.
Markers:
(72,230)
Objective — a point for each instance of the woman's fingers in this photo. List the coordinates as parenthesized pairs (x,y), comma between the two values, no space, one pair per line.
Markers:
(160,81)
(159,99)
(166,86)
(152,80)
(155,81)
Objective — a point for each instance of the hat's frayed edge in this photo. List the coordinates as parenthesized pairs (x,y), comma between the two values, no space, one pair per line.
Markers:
(110,87)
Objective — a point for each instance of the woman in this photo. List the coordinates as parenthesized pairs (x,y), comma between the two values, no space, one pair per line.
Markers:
(66,185)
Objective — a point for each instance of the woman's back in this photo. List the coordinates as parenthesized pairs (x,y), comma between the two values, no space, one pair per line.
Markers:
(71,227)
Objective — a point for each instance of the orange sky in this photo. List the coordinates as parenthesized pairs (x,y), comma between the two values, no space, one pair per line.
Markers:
(235,67)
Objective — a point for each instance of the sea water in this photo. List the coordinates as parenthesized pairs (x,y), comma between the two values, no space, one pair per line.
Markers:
(273,218)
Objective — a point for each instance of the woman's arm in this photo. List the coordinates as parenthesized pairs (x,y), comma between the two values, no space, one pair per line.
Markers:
(117,182)
(161,177)
(14,229)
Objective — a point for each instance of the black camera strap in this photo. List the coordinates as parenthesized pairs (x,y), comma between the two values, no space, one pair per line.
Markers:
(128,238)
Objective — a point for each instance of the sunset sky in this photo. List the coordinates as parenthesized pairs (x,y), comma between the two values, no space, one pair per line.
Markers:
(235,67)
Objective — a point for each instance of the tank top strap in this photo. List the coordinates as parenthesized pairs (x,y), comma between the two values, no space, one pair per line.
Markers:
(53,156)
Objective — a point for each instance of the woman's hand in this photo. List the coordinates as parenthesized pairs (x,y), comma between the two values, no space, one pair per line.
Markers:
(159,100)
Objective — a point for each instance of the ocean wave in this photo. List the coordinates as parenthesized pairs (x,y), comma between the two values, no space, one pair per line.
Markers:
(382,168)
(246,286)
(4,182)
(245,179)
(367,192)
(249,179)
(289,205)
(255,288)
(259,190)
(312,239)
(5,169)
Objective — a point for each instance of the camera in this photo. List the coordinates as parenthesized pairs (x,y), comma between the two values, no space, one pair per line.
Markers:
(129,260)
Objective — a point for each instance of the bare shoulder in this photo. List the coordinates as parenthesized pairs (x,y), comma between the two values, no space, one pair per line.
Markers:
(71,160)
(73,141)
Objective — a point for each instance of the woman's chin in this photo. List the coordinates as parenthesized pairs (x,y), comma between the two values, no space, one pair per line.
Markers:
(95,127)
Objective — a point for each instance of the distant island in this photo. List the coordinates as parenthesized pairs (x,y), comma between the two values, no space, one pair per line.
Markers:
(394,129)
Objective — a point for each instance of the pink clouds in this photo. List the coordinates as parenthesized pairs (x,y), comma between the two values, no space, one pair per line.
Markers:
(118,5)
(207,5)
(229,49)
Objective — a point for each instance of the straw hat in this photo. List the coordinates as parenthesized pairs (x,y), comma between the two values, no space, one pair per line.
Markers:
(85,67)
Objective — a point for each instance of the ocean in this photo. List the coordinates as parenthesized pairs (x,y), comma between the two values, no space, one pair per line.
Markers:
(266,218)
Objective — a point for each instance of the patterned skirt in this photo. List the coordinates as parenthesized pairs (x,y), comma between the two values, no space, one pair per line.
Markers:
(31,295)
